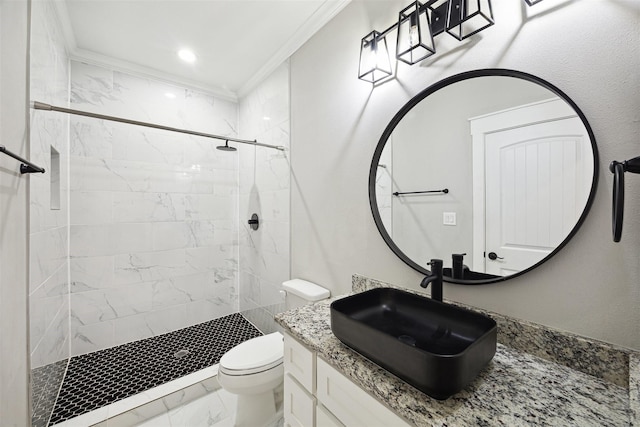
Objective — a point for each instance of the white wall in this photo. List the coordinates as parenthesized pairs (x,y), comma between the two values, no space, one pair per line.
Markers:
(264,189)
(592,287)
(14,135)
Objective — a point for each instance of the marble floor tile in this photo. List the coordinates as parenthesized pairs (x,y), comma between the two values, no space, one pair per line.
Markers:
(215,408)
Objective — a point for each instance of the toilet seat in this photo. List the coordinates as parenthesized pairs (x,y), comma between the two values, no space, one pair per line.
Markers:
(253,356)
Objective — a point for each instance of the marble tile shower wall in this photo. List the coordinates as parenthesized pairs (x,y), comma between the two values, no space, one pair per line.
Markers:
(153,238)
(48,249)
(264,189)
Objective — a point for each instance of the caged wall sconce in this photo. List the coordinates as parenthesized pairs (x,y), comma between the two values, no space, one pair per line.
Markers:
(415,37)
(374,58)
(417,26)
(468,17)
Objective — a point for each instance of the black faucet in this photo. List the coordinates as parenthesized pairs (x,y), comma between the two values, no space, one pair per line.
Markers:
(435,278)
(457,266)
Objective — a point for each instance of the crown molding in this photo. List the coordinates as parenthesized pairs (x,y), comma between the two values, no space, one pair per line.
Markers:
(93,58)
(320,17)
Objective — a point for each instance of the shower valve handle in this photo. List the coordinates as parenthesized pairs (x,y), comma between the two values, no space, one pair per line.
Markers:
(254,222)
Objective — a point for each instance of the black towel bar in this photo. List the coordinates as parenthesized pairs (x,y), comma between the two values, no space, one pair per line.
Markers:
(445,191)
(26,166)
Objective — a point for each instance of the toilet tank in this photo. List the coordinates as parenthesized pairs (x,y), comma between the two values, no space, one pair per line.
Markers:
(301,292)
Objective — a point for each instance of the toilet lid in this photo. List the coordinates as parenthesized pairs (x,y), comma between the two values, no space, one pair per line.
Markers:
(254,355)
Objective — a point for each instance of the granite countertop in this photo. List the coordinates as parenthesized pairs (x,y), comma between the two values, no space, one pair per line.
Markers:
(515,389)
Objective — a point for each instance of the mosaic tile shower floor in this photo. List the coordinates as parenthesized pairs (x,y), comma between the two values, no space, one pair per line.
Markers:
(97,379)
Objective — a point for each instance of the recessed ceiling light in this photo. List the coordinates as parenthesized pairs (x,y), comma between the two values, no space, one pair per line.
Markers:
(187,56)
(170,95)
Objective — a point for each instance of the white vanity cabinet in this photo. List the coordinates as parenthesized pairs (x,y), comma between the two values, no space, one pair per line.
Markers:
(317,395)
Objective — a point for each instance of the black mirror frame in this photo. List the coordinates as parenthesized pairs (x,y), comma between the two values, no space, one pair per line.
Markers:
(435,87)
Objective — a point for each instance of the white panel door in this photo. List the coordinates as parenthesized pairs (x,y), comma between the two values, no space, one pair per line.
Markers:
(535,191)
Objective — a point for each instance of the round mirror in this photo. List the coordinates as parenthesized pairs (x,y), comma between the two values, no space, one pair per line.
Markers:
(492,171)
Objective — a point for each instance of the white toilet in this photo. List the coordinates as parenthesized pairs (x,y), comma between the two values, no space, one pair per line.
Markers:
(253,370)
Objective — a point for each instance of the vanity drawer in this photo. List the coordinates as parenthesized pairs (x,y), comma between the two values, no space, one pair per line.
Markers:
(299,405)
(349,403)
(300,363)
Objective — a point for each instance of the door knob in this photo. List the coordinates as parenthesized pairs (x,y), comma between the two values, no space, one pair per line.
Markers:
(494,256)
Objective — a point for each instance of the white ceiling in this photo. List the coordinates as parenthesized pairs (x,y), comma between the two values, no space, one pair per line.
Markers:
(237,42)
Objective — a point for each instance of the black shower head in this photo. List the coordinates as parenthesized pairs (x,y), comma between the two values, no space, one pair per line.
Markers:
(226,147)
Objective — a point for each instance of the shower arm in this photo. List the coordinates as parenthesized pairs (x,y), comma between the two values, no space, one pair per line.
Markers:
(42,106)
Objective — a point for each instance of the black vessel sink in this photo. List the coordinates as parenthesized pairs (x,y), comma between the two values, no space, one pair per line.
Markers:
(436,347)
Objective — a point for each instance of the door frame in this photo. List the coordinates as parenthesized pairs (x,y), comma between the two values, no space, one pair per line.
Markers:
(547,110)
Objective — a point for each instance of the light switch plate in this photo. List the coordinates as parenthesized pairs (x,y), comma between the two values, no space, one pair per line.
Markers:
(448,218)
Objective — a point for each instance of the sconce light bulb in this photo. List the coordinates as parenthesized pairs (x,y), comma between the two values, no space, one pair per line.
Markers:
(373,56)
(414,36)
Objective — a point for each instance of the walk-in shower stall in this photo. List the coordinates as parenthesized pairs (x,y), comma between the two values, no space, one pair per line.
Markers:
(136,231)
